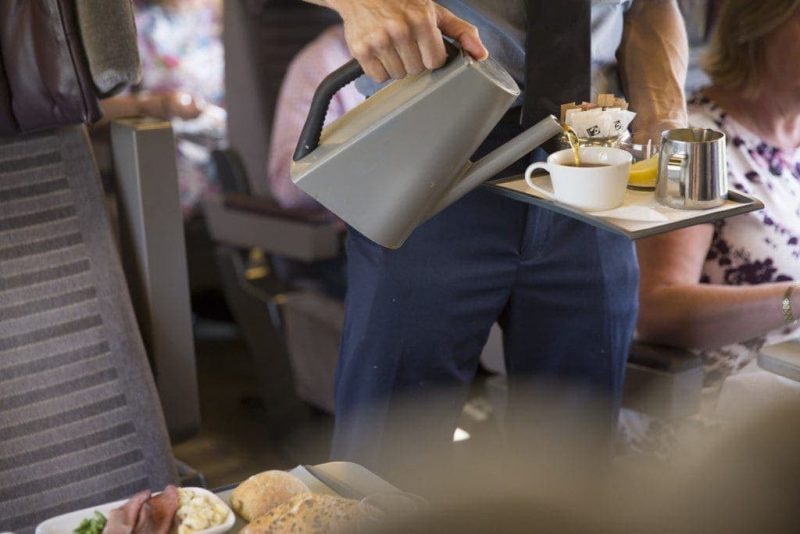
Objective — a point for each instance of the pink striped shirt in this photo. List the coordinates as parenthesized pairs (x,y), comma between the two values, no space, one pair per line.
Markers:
(321,57)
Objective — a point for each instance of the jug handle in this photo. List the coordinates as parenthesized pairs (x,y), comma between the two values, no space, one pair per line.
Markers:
(347,73)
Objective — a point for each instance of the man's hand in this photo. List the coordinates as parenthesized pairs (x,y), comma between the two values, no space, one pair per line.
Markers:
(394,38)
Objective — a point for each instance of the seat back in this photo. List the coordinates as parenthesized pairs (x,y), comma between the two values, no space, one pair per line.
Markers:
(80,419)
(261,38)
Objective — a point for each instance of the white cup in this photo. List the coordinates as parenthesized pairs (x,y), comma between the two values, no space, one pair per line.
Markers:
(586,188)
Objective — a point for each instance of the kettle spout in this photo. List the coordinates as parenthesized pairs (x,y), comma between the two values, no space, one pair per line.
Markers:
(500,158)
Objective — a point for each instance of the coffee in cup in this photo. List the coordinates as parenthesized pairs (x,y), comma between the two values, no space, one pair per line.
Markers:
(585,165)
(599,183)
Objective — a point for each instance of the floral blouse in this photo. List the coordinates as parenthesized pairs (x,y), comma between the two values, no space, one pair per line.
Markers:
(181,50)
(759,247)
(755,248)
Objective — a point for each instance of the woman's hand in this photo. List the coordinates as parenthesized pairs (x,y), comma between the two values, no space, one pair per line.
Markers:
(394,38)
(171,105)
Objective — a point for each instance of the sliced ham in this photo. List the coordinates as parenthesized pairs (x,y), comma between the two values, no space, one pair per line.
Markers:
(144,514)
(123,520)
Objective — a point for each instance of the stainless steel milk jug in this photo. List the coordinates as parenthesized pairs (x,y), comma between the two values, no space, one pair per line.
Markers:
(692,172)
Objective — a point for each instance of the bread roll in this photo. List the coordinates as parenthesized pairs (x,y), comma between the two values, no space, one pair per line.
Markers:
(309,513)
(262,492)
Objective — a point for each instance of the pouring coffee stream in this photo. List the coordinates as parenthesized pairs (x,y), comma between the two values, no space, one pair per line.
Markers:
(572,138)
(403,155)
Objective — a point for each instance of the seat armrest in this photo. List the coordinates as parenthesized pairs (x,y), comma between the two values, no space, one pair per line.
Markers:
(258,222)
(663,358)
(266,206)
(663,381)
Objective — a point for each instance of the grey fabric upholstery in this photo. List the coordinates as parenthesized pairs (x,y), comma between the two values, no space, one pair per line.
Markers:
(663,381)
(80,420)
(108,32)
(313,327)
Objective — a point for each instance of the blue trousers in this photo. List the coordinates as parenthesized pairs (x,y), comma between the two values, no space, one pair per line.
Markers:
(418,317)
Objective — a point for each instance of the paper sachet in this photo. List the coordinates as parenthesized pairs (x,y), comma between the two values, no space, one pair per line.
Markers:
(608,117)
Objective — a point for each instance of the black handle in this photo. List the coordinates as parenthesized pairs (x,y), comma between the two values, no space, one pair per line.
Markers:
(347,73)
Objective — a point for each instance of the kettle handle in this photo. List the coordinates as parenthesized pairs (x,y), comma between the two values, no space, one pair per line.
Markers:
(347,73)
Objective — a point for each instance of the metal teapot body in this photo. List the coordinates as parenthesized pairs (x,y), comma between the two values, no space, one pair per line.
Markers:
(403,155)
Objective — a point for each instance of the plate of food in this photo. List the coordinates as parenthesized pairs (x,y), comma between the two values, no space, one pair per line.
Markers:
(332,497)
(174,510)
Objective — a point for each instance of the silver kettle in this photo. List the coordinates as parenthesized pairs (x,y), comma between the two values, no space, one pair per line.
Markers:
(402,156)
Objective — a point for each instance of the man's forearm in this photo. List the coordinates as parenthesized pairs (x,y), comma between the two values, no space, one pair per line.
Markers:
(653,59)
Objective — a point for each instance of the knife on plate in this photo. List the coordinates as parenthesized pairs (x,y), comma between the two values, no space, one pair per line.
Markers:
(339,487)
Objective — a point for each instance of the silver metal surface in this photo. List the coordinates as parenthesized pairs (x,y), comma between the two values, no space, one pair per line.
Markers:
(154,258)
(693,171)
(403,155)
(339,487)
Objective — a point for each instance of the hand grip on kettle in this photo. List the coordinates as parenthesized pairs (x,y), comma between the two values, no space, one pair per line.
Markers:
(347,73)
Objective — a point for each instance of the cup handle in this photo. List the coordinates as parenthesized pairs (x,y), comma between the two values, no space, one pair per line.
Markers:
(542,191)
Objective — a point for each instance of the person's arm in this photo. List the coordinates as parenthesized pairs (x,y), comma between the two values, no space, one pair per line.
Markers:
(303,76)
(676,309)
(392,39)
(162,105)
(653,60)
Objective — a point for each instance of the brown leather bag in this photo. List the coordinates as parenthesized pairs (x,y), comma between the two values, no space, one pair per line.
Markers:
(44,76)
